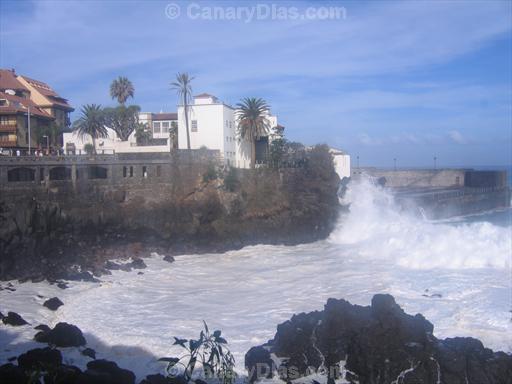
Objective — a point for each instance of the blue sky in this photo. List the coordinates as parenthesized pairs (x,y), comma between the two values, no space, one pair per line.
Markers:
(405,80)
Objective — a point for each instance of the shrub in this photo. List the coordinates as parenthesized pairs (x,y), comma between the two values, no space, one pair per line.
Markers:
(231,180)
(89,148)
(210,174)
(210,351)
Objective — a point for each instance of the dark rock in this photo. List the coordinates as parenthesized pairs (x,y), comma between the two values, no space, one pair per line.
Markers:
(104,371)
(155,379)
(62,285)
(380,344)
(43,327)
(140,273)
(63,335)
(169,258)
(10,373)
(14,319)
(89,352)
(138,263)
(63,374)
(259,364)
(40,358)
(53,304)
(1,316)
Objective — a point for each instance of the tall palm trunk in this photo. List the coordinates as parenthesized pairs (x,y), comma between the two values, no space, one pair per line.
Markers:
(253,154)
(185,106)
(94,145)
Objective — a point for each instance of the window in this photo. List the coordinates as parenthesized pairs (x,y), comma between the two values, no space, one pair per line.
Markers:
(125,171)
(131,171)
(230,124)
(21,174)
(194,125)
(165,127)
(158,170)
(144,172)
(96,172)
(156,127)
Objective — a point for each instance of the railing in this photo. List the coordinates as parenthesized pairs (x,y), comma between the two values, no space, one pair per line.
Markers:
(8,127)
(8,143)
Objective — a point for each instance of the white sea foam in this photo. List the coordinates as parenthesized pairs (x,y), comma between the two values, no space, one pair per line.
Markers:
(377,227)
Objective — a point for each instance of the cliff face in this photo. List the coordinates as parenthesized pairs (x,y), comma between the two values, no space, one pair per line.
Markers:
(46,231)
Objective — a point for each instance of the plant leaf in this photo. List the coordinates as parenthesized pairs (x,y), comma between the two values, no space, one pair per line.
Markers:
(180,342)
(172,360)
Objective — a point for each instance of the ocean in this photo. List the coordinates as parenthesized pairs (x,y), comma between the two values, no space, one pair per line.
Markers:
(456,272)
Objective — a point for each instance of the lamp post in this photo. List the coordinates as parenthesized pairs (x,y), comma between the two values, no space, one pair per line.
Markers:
(435,162)
(357,158)
(47,145)
(29,135)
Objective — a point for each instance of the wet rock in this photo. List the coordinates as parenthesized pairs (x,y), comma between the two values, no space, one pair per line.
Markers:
(63,374)
(43,327)
(379,344)
(63,335)
(53,304)
(169,258)
(258,363)
(89,352)
(62,285)
(39,358)
(14,319)
(10,373)
(138,263)
(104,371)
(155,379)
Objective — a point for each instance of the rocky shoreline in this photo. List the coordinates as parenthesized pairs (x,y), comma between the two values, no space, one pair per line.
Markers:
(376,344)
(63,233)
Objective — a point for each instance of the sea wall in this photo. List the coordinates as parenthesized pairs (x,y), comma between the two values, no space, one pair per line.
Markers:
(83,211)
(444,193)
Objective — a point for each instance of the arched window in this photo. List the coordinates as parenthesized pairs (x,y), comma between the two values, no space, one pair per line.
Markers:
(60,173)
(21,174)
(96,172)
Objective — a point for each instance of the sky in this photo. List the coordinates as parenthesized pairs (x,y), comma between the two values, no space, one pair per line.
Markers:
(381,80)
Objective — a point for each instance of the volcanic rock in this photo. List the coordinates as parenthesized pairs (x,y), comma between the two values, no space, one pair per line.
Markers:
(53,304)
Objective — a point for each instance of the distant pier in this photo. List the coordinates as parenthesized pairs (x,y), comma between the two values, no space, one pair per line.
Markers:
(443,193)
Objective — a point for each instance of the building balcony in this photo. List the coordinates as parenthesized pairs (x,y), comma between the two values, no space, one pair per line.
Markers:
(8,143)
(8,128)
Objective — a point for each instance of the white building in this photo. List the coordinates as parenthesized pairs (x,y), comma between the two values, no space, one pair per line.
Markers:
(158,123)
(341,163)
(212,124)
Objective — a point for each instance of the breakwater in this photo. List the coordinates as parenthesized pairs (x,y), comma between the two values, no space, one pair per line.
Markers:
(443,193)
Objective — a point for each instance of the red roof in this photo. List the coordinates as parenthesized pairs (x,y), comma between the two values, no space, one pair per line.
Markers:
(47,91)
(164,116)
(20,105)
(8,81)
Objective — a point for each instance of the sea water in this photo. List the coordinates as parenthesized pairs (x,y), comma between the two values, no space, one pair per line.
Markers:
(457,273)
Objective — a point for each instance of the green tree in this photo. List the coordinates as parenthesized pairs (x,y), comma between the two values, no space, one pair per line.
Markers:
(183,87)
(91,123)
(52,131)
(173,135)
(252,122)
(143,134)
(121,89)
(122,119)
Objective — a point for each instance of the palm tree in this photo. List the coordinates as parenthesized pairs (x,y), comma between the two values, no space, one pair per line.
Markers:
(121,89)
(184,90)
(252,122)
(91,122)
